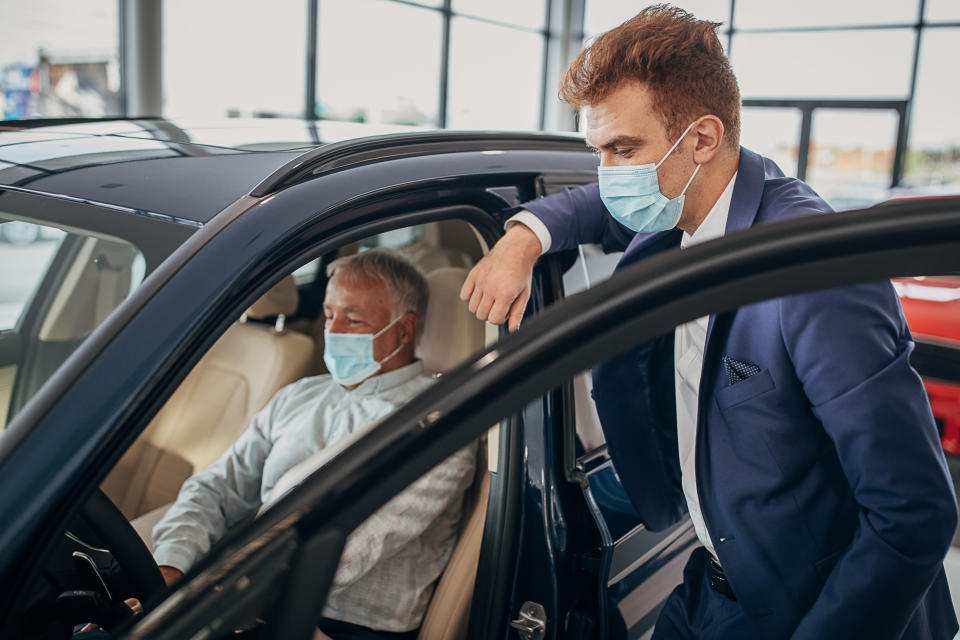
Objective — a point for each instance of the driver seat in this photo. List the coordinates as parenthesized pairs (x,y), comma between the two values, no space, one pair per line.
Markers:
(451,333)
(212,406)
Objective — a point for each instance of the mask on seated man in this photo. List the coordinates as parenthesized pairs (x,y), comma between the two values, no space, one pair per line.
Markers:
(374,308)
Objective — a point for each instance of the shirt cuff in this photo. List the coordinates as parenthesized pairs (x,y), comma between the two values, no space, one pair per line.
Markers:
(533,223)
(172,556)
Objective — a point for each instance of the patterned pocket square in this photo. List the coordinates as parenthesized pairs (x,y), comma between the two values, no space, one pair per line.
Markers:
(738,371)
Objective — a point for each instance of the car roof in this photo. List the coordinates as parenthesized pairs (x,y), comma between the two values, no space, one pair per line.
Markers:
(189,170)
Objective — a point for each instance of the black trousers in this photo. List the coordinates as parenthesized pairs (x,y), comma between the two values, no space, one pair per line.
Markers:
(694,611)
(340,630)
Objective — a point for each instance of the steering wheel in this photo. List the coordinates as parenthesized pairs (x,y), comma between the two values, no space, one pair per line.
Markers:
(143,575)
(98,562)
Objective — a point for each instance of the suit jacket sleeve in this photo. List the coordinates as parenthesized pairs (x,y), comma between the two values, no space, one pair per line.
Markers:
(850,348)
(577,216)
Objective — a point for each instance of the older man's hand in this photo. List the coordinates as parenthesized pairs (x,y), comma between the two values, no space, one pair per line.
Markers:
(170,575)
(498,287)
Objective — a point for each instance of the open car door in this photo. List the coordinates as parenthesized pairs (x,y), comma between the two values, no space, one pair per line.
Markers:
(283,563)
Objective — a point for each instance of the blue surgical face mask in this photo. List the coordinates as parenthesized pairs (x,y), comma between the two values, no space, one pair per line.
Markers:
(349,356)
(632,195)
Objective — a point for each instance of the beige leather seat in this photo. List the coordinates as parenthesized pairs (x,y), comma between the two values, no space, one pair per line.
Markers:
(449,610)
(451,333)
(213,405)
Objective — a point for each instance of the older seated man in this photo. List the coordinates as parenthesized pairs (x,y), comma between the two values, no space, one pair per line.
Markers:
(374,307)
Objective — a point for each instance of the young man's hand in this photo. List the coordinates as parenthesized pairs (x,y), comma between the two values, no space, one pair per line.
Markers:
(498,287)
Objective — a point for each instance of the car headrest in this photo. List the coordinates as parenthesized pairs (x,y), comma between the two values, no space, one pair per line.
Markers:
(282,299)
(450,331)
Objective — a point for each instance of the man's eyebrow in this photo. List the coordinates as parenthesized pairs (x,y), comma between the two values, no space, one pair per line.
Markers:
(619,141)
(357,310)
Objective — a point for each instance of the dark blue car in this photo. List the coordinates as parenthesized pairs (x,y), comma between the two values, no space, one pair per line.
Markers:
(175,283)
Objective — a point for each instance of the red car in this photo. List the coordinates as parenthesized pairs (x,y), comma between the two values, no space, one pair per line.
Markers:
(932,308)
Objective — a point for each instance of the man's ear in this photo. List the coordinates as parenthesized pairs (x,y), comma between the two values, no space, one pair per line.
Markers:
(709,130)
(408,327)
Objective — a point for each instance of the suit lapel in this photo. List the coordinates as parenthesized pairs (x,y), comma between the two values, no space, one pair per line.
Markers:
(744,205)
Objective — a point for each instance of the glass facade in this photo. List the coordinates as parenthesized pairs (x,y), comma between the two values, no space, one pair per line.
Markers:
(764,14)
(495,76)
(774,133)
(835,93)
(933,155)
(386,72)
(59,59)
(218,60)
(829,64)
(493,64)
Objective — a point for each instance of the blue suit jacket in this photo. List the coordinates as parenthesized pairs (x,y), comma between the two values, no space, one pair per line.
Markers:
(821,479)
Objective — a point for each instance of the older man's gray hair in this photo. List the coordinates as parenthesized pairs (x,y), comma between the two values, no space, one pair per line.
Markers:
(406,283)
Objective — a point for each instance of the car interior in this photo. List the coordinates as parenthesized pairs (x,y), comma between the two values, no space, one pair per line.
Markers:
(278,340)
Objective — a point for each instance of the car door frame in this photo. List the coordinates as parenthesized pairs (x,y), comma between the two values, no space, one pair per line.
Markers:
(281,236)
(642,301)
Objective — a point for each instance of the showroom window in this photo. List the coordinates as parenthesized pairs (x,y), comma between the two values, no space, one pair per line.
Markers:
(603,15)
(495,76)
(495,64)
(220,59)
(434,64)
(836,94)
(933,156)
(60,60)
(387,71)
(760,14)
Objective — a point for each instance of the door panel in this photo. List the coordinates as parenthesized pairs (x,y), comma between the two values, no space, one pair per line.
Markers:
(638,567)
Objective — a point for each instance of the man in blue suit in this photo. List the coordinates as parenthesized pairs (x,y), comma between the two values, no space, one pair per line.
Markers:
(793,431)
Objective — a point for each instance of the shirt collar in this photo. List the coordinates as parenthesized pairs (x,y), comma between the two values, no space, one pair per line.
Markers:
(389,380)
(714,225)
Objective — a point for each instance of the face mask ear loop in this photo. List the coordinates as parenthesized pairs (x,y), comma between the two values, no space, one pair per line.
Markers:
(675,144)
(690,180)
(390,324)
(379,333)
(395,352)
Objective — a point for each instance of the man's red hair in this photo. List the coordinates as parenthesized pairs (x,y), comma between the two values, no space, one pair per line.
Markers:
(677,57)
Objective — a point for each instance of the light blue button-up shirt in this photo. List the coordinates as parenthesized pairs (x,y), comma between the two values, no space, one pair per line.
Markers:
(391,562)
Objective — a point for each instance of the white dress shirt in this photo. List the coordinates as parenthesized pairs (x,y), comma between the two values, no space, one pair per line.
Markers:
(391,562)
(688,346)
(689,343)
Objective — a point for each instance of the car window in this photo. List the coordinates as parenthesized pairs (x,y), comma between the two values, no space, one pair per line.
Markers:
(261,356)
(26,250)
(58,287)
(225,390)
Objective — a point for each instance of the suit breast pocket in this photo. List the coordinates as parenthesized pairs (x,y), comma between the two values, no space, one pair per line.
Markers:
(746,390)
